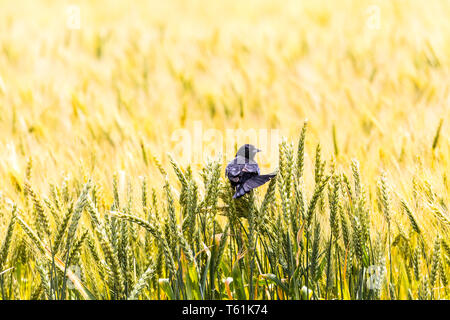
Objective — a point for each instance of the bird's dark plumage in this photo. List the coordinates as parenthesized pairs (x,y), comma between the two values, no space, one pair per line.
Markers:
(243,171)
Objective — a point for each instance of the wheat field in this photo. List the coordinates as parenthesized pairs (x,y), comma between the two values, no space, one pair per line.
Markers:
(106,191)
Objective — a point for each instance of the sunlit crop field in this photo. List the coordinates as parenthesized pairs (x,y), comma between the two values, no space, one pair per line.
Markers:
(117,119)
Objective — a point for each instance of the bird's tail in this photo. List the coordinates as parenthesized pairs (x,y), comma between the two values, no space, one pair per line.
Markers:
(252,183)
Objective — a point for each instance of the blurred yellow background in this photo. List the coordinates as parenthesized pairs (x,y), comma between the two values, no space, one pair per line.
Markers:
(107,96)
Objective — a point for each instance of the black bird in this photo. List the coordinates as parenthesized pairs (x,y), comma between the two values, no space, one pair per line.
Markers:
(243,171)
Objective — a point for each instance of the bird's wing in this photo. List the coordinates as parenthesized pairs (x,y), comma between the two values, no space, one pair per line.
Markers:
(234,169)
(251,168)
(257,181)
(238,172)
(234,172)
(240,165)
(251,183)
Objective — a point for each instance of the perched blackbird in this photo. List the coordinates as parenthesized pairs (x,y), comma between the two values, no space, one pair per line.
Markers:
(243,171)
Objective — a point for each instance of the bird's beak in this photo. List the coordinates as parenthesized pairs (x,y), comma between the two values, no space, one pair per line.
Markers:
(258,150)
